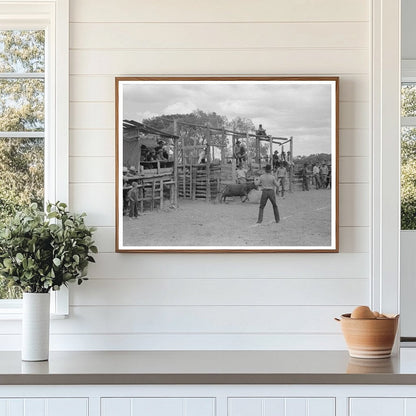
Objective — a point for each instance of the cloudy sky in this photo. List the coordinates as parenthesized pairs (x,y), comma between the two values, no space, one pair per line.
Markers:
(284,109)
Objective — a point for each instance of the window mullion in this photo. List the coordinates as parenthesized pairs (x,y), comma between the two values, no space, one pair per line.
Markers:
(22,134)
(22,75)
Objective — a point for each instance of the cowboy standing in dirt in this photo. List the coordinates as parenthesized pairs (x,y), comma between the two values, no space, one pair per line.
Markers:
(268,183)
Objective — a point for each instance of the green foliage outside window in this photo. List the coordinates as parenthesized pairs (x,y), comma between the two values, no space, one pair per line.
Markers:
(408,160)
(21,110)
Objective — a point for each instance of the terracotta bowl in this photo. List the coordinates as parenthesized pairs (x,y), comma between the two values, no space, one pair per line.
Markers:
(369,338)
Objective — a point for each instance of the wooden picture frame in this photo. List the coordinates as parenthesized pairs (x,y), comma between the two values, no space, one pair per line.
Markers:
(191,161)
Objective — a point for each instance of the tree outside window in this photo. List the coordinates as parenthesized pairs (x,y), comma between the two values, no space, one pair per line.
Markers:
(22,124)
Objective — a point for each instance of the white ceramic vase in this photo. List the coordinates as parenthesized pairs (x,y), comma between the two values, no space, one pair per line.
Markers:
(35,326)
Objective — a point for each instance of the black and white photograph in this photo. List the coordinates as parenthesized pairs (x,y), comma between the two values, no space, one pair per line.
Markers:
(230,164)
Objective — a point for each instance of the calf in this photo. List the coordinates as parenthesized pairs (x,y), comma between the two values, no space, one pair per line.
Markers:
(240,190)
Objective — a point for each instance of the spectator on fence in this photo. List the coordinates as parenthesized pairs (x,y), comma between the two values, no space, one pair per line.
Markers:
(281,179)
(132,171)
(240,153)
(151,155)
(261,131)
(275,160)
(160,155)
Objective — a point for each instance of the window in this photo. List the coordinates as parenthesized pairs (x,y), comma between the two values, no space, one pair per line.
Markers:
(33,111)
(408,155)
(22,124)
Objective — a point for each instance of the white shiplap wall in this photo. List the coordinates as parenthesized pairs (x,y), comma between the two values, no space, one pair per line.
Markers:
(181,301)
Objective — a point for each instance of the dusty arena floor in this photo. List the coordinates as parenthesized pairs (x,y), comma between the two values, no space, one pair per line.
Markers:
(305,220)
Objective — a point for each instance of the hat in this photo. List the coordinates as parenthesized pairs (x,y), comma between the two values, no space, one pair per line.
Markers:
(268,168)
(132,168)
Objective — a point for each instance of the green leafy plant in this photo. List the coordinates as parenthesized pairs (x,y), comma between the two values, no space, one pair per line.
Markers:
(43,251)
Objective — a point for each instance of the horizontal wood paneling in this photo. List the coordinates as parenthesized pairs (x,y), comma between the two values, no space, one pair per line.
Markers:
(354,208)
(218,11)
(96,199)
(220,291)
(201,319)
(218,35)
(219,62)
(206,266)
(287,297)
(354,239)
(95,143)
(100,88)
(87,115)
(353,169)
(92,169)
(104,238)
(166,341)
(208,320)
(354,142)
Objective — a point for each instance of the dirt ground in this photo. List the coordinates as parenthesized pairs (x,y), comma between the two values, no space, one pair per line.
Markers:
(305,220)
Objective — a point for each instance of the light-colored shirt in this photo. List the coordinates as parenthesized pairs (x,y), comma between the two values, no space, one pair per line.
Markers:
(241,173)
(281,172)
(268,181)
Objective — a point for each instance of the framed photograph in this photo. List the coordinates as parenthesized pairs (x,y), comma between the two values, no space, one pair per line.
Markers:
(227,164)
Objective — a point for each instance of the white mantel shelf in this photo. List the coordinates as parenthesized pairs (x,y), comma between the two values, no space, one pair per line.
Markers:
(207,367)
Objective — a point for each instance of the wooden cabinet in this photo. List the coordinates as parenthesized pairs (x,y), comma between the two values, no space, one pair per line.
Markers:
(44,407)
(281,407)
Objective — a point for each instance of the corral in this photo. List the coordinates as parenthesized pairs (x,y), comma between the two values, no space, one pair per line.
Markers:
(198,165)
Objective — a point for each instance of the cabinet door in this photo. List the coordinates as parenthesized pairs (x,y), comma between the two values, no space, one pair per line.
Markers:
(377,406)
(146,406)
(270,406)
(44,407)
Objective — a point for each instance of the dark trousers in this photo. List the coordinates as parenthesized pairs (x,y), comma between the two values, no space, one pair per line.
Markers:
(134,209)
(305,184)
(265,195)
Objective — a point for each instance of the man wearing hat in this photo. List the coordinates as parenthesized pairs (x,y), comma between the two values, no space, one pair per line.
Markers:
(268,183)
(240,152)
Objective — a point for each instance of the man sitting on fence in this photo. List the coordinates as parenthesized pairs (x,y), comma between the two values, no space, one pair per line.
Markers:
(240,153)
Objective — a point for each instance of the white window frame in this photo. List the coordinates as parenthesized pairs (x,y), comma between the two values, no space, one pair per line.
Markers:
(385,98)
(53,17)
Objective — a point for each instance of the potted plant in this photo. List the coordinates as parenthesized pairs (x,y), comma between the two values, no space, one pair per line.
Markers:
(40,252)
